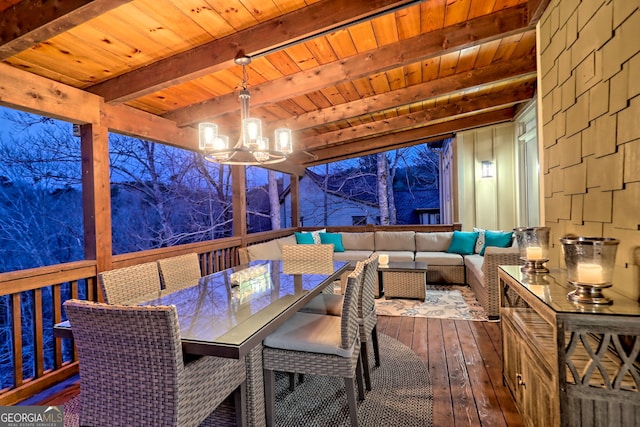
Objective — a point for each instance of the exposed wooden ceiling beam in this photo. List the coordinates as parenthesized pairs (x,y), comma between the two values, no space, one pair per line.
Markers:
(470,33)
(289,166)
(408,138)
(30,22)
(39,95)
(465,106)
(139,124)
(536,8)
(489,74)
(219,54)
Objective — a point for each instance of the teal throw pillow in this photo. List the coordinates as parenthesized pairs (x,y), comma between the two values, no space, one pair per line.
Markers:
(333,238)
(463,242)
(501,239)
(303,238)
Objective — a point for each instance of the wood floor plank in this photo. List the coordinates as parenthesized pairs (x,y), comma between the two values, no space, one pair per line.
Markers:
(486,402)
(494,335)
(464,409)
(482,332)
(420,343)
(393,326)
(406,331)
(439,374)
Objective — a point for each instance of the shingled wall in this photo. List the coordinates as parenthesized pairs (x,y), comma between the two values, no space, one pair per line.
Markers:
(589,73)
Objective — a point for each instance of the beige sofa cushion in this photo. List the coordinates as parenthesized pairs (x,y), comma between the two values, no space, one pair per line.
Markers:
(398,256)
(288,240)
(395,241)
(433,242)
(439,258)
(268,250)
(358,241)
(351,255)
(474,266)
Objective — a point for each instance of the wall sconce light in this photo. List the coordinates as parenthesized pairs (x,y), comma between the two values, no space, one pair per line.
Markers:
(487,169)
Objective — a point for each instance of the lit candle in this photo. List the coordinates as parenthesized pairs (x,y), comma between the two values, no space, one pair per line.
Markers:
(590,273)
(383,259)
(534,253)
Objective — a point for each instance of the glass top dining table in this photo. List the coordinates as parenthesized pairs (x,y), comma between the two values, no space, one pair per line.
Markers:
(229,312)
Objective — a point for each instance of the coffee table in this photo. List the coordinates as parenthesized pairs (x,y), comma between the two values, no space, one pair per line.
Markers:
(403,279)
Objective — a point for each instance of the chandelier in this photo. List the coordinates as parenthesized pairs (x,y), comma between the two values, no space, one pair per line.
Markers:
(251,148)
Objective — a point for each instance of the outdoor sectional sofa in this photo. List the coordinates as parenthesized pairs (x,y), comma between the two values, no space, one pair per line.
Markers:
(480,272)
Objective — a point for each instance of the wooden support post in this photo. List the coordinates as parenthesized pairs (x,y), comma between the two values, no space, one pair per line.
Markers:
(239,201)
(96,195)
(295,201)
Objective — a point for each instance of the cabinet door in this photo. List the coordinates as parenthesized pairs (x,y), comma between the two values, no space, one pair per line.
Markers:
(539,396)
(511,348)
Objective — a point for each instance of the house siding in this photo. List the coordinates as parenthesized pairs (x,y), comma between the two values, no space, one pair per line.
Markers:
(589,56)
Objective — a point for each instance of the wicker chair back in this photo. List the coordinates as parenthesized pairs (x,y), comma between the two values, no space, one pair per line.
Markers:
(307,259)
(179,271)
(128,283)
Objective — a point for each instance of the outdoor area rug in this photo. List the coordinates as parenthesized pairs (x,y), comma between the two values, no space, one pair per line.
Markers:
(442,301)
(401,396)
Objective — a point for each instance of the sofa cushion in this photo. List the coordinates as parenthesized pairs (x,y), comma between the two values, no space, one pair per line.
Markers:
(358,242)
(304,238)
(463,242)
(398,256)
(439,258)
(395,241)
(316,235)
(268,250)
(479,241)
(333,238)
(287,240)
(473,263)
(433,242)
(500,239)
(352,255)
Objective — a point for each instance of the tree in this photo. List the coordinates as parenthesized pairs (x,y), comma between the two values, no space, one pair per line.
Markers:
(274,200)
(383,184)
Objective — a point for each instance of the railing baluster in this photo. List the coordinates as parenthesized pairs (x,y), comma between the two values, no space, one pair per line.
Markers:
(38,340)
(16,316)
(56,302)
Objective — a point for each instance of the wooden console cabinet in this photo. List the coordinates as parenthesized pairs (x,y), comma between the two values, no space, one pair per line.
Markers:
(569,364)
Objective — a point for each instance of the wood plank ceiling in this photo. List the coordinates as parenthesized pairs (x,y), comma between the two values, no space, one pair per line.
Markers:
(349,76)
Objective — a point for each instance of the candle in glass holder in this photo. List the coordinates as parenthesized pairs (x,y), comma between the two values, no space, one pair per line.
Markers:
(590,273)
(383,259)
(534,252)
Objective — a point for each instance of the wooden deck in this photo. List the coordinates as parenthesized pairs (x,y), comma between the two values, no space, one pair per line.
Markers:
(465,365)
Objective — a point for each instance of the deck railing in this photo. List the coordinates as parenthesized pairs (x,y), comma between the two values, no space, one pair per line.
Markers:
(52,360)
(49,361)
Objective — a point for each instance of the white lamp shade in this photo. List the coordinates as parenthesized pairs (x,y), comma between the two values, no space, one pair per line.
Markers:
(208,133)
(284,142)
(221,142)
(251,132)
(263,145)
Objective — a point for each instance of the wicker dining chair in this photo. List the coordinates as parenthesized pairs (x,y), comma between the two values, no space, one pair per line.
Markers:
(128,283)
(132,370)
(179,271)
(367,318)
(316,344)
